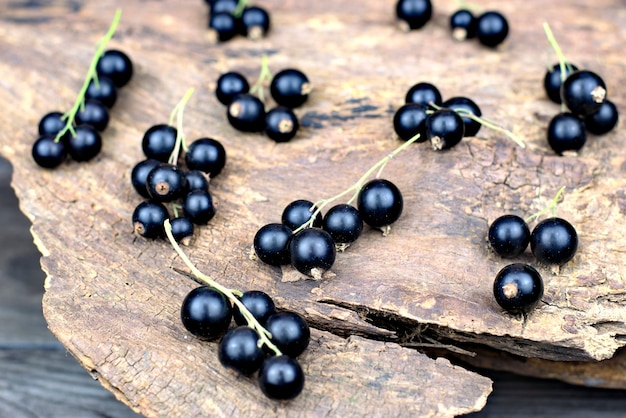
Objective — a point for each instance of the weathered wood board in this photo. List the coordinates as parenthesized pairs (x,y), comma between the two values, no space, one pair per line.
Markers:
(113,299)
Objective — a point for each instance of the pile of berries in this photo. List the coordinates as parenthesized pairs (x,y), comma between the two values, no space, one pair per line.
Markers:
(229,18)
(159,179)
(490,28)
(246,112)
(583,98)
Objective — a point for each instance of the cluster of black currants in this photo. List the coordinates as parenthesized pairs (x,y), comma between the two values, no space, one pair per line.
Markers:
(490,28)
(264,339)
(246,112)
(229,18)
(77,132)
(518,287)
(159,179)
(583,98)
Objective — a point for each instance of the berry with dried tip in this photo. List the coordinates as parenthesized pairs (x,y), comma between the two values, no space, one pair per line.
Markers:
(566,133)
(224,26)
(290,88)
(312,252)
(255,22)
(413,14)
(518,288)
(583,92)
(166,183)
(444,129)
(148,218)
(271,244)
(246,113)
(463,25)
(281,124)
(206,313)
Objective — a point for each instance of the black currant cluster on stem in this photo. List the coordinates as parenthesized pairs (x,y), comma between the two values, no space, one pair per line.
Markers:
(77,132)
(229,18)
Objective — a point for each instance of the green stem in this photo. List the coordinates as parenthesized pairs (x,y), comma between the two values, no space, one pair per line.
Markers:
(563,64)
(264,335)
(264,74)
(551,206)
(177,113)
(70,115)
(471,7)
(241,6)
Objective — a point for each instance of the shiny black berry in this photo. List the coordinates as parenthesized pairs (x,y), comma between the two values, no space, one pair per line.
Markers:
(51,124)
(492,28)
(139,175)
(271,244)
(380,203)
(85,144)
(583,92)
(343,222)
(290,88)
(552,81)
(444,129)
(255,22)
(148,218)
(566,133)
(196,180)
(281,124)
(198,207)
(166,183)
(258,303)
(47,153)
(465,104)
(224,26)
(554,241)
(413,14)
(93,113)
(239,350)
(299,212)
(463,25)
(281,378)
(116,65)
(290,332)
(518,288)
(223,6)
(246,113)
(206,313)
(207,155)
(604,120)
(182,229)
(229,85)
(410,120)
(312,251)
(424,93)
(509,236)
(104,91)
(158,142)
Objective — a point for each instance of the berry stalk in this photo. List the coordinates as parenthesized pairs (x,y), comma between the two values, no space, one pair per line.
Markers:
(264,74)
(177,113)
(264,335)
(563,63)
(241,6)
(551,206)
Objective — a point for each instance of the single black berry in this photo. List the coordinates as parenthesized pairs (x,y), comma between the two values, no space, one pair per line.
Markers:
(196,180)
(343,222)
(198,207)
(444,129)
(93,113)
(583,92)
(206,313)
(552,81)
(290,332)
(290,88)
(509,236)
(465,104)
(380,203)
(158,142)
(239,350)
(258,303)
(229,85)
(271,244)
(299,212)
(182,229)
(224,26)
(312,251)
(148,218)
(413,14)
(604,120)
(554,241)
(566,133)
(47,153)
(281,378)
(166,183)
(246,113)
(223,6)
(463,25)
(116,65)
(139,175)
(255,22)
(207,155)
(492,28)
(518,288)
(51,124)
(103,91)
(281,124)
(410,120)
(85,144)
(423,93)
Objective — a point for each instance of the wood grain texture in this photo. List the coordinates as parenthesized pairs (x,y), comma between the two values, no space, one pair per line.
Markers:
(113,299)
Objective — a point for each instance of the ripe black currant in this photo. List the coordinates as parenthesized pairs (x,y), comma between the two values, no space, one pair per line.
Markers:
(246,113)
(509,236)
(518,288)
(312,251)
(552,81)
(196,180)
(492,28)
(423,93)
(139,175)
(463,25)
(554,241)
(413,14)
(93,113)
(380,203)
(271,244)
(343,222)
(299,212)
(281,124)
(444,129)
(229,85)
(281,378)
(290,88)
(410,120)
(51,124)
(255,22)
(206,313)
(182,229)
(166,183)
(583,92)
(224,6)
(49,153)
(224,26)
(85,144)
(115,65)
(290,332)
(258,303)
(239,350)
(198,207)
(158,142)
(604,120)
(207,155)
(103,91)
(148,218)
(566,133)
(462,105)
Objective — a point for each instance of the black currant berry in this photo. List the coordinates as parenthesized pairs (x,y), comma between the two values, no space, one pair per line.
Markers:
(223,6)
(207,155)
(230,85)
(196,180)
(410,120)
(492,28)
(271,244)
(158,142)
(509,236)
(239,350)
(444,129)
(290,88)
(380,203)
(258,303)
(281,378)
(465,104)
(206,313)
(139,175)
(281,124)
(85,144)
(413,14)
(93,113)
(423,93)
(115,65)
(103,91)
(47,153)
(290,332)
(604,120)
(51,124)
(554,241)
(463,25)
(299,212)
(566,133)
(166,183)
(148,218)
(224,26)
(583,92)
(255,22)
(312,251)
(182,229)
(198,207)
(518,288)
(552,81)
(343,222)
(246,113)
